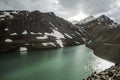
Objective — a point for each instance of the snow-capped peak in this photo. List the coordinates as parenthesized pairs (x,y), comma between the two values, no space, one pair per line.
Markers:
(87,19)
(103,18)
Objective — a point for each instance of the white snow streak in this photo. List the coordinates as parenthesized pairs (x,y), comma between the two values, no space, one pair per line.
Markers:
(8,40)
(68,35)
(13,34)
(6,29)
(44,37)
(50,43)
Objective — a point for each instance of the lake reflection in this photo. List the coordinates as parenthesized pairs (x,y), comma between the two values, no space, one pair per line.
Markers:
(70,63)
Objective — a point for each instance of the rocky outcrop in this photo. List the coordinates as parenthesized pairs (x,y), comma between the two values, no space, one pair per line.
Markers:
(112,73)
(35,30)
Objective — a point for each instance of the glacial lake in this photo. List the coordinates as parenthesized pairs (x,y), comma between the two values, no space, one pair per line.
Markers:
(69,63)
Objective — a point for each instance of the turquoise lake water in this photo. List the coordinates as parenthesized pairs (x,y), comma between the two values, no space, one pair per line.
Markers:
(69,63)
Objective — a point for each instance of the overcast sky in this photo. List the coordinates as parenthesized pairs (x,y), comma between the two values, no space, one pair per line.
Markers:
(67,9)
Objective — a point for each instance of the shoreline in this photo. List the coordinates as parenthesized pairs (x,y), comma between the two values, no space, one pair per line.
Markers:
(112,73)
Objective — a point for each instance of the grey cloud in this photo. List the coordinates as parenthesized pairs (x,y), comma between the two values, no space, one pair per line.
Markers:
(70,4)
(65,8)
(114,13)
(96,6)
(43,5)
(87,6)
(14,4)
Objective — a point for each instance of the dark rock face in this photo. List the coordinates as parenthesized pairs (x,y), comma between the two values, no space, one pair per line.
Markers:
(103,36)
(35,30)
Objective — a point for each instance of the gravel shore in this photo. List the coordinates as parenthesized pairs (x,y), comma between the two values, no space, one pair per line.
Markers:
(112,73)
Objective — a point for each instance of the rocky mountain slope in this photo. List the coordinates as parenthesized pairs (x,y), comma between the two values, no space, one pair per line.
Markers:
(95,26)
(103,36)
(24,30)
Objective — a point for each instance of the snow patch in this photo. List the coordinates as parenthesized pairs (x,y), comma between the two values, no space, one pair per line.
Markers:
(25,32)
(35,33)
(6,29)
(44,37)
(77,42)
(112,25)
(6,13)
(89,41)
(8,40)
(14,12)
(1,16)
(77,33)
(53,26)
(32,33)
(56,34)
(39,33)
(13,34)
(50,43)
(73,35)
(2,19)
(23,49)
(60,43)
(68,35)
(83,39)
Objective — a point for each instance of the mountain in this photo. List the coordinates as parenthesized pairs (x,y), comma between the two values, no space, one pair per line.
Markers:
(95,26)
(25,30)
(103,36)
